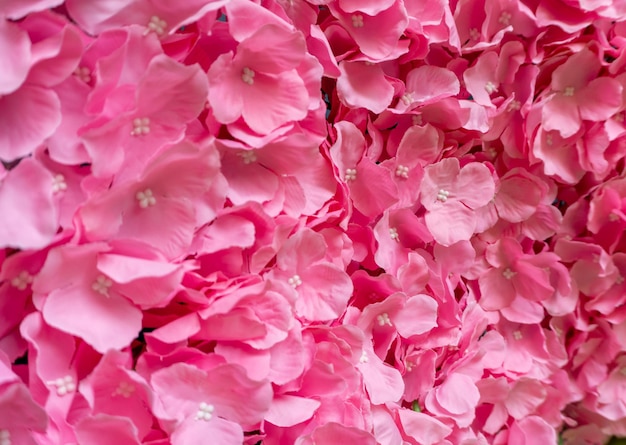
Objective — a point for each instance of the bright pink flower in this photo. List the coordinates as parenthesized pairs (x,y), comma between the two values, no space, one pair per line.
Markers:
(363,84)
(262,86)
(319,290)
(580,95)
(451,194)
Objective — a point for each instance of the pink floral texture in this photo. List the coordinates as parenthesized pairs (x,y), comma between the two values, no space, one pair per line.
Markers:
(312,222)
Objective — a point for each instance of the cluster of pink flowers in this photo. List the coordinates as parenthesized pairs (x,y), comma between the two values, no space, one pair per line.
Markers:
(312,222)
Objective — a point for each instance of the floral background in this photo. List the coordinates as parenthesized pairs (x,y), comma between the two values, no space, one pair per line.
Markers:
(312,222)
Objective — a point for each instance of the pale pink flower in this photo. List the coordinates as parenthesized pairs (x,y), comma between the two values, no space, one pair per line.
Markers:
(319,290)
(197,403)
(450,195)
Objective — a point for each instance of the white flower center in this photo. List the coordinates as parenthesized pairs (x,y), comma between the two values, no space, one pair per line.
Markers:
(490,87)
(383,319)
(442,195)
(83,73)
(22,281)
(622,371)
(549,139)
(619,280)
(417,119)
(205,412)
(402,171)
(5,437)
(569,91)
(613,217)
(102,285)
(505,18)
(364,358)
(407,98)
(247,75)
(157,25)
(409,366)
(58,183)
(508,273)
(474,34)
(517,335)
(248,156)
(141,126)
(357,20)
(64,385)
(350,174)
(145,198)
(295,281)
(124,389)
(393,233)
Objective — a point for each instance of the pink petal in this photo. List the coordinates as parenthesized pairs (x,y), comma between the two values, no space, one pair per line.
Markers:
(518,196)
(104,322)
(27,117)
(333,433)
(274,100)
(103,429)
(16,9)
(221,432)
(450,223)
(30,218)
(474,186)
(225,90)
(324,294)
(428,84)
(289,410)
(561,114)
(600,100)
(458,394)
(386,194)
(287,50)
(424,429)
(379,35)
(496,291)
(418,316)
(577,71)
(15,56)
(383,382)
(362,85)
(171,93)
(531,430)
(369,7)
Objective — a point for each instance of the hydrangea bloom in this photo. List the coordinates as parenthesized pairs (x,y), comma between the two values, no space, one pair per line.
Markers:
(312,222)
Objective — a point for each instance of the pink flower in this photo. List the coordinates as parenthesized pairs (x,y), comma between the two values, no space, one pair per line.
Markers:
(161,207)
(219,402)
(71,284)
(259,85)
(451,194)
(375,30)
(580,95)
(319,290)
